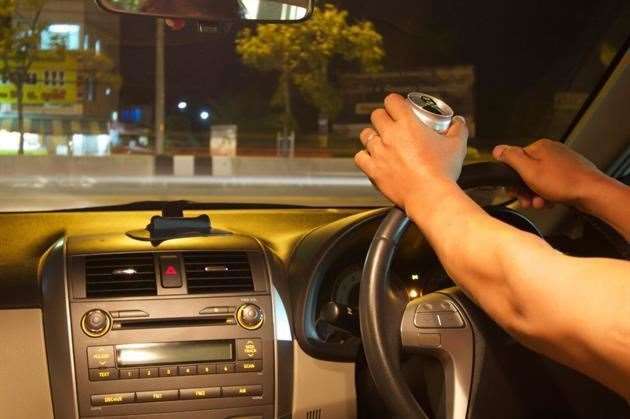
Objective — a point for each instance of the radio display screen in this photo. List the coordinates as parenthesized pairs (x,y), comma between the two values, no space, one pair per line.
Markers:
(137,354)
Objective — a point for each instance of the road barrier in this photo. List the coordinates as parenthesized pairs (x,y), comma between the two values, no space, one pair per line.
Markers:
(185,166)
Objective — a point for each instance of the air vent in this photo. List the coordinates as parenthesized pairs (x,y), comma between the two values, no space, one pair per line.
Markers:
(217,272)
(120,275)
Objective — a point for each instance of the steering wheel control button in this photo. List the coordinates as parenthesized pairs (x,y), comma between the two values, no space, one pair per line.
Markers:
(170,272)
(199,393)
(100,357)
(96,323)
(248,349)
(250,316)
(104,374)
(248,366)
(426,320)
(112,399)
(435,307)
(450,320)
(157,396)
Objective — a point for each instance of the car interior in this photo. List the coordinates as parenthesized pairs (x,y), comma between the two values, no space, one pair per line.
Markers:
(169,308)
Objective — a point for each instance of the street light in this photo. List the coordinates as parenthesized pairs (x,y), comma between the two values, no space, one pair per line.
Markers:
(204,115)
(182,105)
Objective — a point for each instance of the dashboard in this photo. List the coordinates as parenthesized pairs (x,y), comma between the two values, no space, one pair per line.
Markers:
(259,321)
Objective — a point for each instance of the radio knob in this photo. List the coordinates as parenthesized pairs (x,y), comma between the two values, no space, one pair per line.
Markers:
(250,316)
(95,323)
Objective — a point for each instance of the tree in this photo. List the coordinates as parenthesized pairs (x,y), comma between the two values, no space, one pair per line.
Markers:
(302,54)
(19,42)
(20,47)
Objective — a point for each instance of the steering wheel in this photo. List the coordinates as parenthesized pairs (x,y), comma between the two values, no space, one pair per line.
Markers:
(444,323)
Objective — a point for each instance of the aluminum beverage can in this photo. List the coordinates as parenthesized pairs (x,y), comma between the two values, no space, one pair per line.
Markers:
(431,111)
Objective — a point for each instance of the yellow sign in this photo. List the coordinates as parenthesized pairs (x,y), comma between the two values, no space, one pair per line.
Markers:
(51,81)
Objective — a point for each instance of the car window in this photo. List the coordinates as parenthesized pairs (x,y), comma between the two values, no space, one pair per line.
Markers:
(100,109)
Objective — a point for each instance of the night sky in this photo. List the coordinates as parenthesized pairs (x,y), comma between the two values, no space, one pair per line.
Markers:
(522,51)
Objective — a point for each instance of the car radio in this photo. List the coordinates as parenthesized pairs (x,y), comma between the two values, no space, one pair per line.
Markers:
(174,332)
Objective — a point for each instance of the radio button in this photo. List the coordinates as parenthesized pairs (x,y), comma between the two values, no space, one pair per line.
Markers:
(214,310)
(248,366)
(168,371)
(128,373)
(205,369)
(104,374)
(199,393)
(242,391)
(111,399)
(100,357)
(187,369)
(225,368)
(151,372)
(247,349)
(157,396)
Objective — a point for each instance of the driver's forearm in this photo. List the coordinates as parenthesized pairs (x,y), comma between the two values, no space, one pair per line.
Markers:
(550,302)
(483,255)
(609,200)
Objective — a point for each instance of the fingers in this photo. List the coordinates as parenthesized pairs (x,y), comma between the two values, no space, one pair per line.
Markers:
(526,199)
(364,162)
(371,140)
(516,158)
(458,129)
(397,107)
(381,120)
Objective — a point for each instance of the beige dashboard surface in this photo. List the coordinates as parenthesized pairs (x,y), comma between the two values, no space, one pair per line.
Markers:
(24,389)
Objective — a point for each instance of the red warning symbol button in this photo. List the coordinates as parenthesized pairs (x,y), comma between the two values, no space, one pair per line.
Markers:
(169,267)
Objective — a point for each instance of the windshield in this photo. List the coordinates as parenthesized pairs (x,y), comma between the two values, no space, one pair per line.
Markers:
(101,109)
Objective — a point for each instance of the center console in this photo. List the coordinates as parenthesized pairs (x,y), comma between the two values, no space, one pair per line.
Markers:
(182,330)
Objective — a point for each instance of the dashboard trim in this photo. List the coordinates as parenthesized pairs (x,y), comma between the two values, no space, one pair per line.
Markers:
(305,280)
(56,315)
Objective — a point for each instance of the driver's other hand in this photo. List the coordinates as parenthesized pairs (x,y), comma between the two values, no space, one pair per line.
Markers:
(553,171)
(403,157)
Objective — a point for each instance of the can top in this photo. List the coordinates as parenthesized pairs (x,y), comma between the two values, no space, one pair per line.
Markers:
(430,105)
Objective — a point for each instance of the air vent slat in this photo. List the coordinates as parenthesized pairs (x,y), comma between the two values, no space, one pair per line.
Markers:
(217,272)
(120,275)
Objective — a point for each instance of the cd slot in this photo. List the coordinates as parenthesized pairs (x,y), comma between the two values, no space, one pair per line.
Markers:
(214,320)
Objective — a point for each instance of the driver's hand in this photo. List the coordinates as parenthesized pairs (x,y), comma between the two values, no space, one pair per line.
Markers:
(402,156)
(552,171)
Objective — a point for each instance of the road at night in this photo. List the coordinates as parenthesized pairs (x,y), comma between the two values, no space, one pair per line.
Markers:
(44,193)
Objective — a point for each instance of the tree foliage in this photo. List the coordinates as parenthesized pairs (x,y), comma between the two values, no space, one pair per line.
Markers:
(21,27)
(302,55)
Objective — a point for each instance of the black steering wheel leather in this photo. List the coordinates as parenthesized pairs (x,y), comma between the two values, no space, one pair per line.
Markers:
(380,315)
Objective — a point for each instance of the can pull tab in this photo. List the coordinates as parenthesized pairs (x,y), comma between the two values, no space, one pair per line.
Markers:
(431,111)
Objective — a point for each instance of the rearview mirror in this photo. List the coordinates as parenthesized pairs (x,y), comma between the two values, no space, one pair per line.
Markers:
(214,10)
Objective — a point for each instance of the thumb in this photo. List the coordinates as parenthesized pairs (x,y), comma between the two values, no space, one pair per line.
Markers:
(458,129)
(514,157)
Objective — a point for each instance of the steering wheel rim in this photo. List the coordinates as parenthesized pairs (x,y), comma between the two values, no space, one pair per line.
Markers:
(382,344)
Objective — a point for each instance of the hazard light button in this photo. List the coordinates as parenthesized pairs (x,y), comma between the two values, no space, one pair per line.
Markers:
(170,271)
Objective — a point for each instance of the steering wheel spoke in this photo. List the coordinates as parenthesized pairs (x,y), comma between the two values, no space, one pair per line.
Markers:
(434,324)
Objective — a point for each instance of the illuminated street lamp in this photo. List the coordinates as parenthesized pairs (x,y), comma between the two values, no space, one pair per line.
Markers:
(204,115)
(182,105)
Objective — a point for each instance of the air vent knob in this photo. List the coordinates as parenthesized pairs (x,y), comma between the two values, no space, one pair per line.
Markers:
(250,316)
(95,323)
